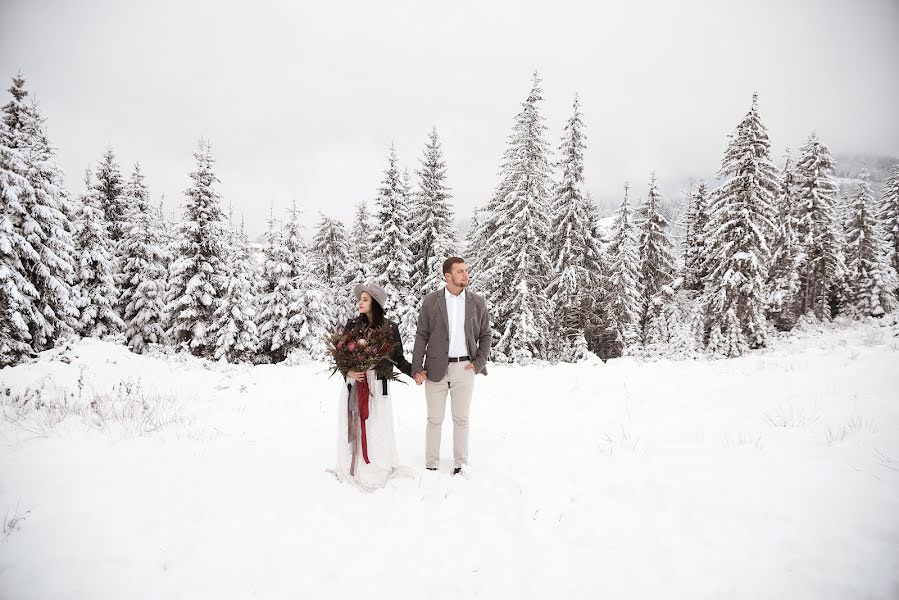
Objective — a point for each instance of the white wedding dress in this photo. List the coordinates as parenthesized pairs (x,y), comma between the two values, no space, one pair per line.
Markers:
(381,440)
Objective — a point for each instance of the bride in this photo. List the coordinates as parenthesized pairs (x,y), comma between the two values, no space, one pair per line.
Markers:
(379,435)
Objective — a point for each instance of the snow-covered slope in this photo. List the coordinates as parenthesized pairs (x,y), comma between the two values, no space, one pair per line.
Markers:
(769,476)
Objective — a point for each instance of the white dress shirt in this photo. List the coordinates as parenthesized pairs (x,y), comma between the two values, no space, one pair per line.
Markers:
(455,312)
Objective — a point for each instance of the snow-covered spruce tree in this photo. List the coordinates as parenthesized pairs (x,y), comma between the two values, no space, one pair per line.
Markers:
(17,116)
(783,274)
(472,243)
(656,253)
(95,290)
(45,221)
(308,316)
(330,256)
(391,257)
(515,230)
(839,298)
(870,279)
(145,270)
(318,316)
(197,275)
(169,229)
(273,292)
(668,331)
(741,220)
(358,267)
(111,190)
(51,215)
(329,250)
(596,319)
(889,217)
(136,197)
(236,338)
(624,292)
(575,248)
(476,238)
(821,270)
(695,224)
(727,339)
(17,294)
(433,233)
(292,317)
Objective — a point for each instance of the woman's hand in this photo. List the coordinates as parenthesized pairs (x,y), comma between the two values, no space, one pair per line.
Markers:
(356,375)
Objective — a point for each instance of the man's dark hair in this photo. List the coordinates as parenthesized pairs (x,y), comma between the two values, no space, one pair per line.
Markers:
(448,263)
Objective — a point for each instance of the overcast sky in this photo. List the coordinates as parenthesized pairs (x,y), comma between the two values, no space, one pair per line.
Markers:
(302,100)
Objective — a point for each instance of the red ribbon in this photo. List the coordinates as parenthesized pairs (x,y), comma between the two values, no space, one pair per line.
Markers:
(362,393)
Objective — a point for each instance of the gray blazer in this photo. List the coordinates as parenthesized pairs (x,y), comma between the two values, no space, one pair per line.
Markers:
(432,336)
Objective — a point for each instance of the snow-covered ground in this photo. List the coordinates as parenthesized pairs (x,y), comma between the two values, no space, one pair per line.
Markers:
(769,476)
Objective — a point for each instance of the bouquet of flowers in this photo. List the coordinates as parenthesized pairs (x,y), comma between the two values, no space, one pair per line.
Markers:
(361,349)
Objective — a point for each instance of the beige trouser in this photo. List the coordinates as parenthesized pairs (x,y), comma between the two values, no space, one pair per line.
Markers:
(458,382)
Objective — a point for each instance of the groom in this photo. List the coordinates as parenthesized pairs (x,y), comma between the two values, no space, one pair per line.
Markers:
(453,338)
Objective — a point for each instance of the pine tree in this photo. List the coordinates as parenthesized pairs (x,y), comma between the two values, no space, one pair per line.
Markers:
(391,257)
(235,328)
(727,339)
(668,332)
(17,116)
(839,297)
(111,190)
(783,275)
(17,294)
(741,219)
(293,317)
(515,230)
(330,252)
(197,276)
(145,270)
(136,197)
(45,221)
(869,276)
(696,221)
(821,269)
(358,268)
(433,235)
(576,250)
(165,228)
(624,291)
(889,217)
(359,256)
(656,254)
(95,291)
(596,271)
(273,292)
(308,316)
(473,242)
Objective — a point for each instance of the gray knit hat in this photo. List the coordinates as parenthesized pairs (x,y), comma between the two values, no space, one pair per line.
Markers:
(374,290)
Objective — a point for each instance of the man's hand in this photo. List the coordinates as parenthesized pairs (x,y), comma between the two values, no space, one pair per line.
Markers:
(471,366)
(420,377)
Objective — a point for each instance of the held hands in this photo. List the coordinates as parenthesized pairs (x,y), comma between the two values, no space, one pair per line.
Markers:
(356,375)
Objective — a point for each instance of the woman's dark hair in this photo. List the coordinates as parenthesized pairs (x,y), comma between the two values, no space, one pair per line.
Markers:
(377,314)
